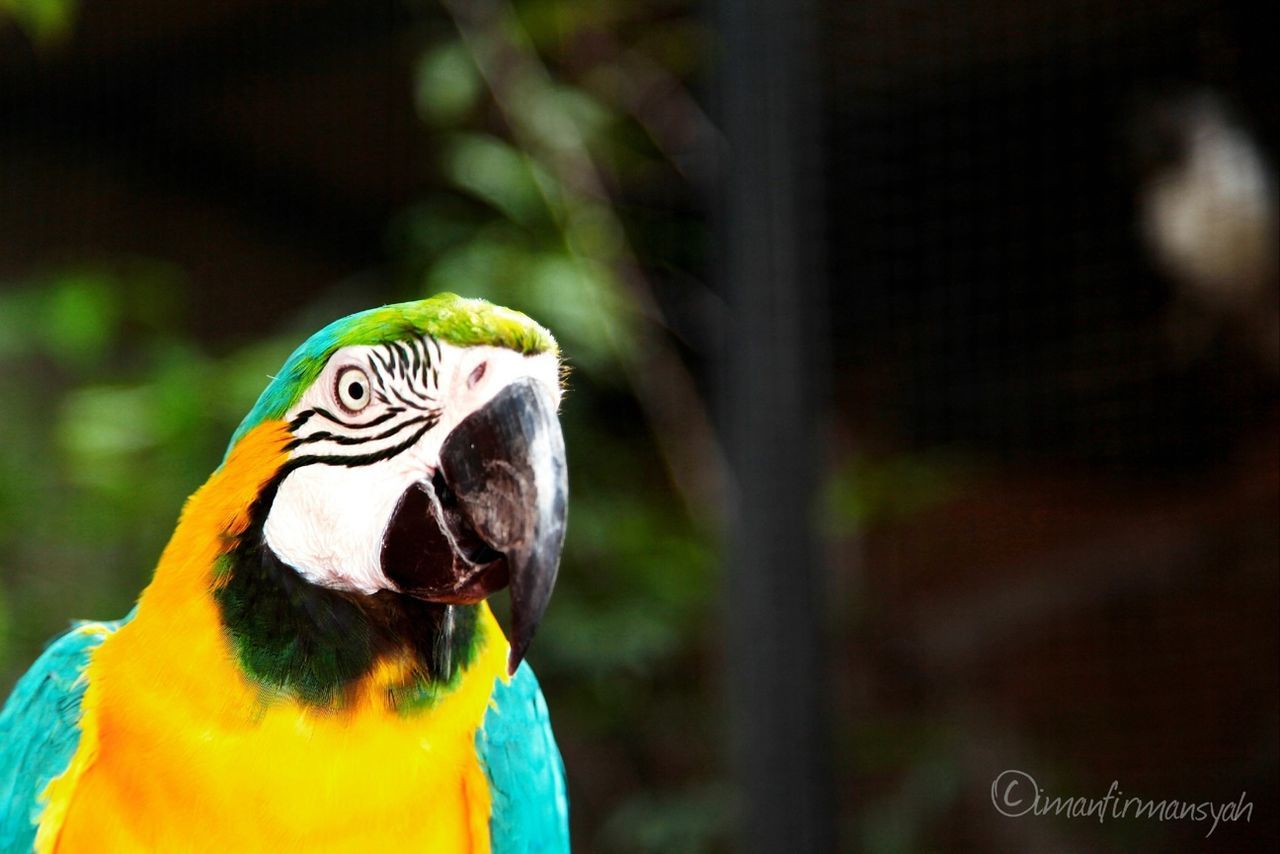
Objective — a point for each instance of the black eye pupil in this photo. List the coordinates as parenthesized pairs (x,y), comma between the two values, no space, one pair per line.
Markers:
(356,391)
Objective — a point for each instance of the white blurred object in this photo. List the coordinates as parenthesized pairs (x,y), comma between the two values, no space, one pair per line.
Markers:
(1209,215)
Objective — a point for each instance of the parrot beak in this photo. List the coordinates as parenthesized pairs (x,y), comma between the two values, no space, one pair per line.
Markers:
(494,512)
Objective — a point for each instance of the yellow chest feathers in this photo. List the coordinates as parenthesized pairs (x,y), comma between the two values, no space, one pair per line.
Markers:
(187,755)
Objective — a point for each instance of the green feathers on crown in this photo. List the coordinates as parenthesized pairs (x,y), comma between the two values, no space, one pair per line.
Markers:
(447,317)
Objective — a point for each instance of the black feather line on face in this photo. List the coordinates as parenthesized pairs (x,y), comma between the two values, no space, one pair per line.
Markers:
(404,358)
(439,357)
(389,380)
(381,366)
(430,420)
(418,380)
(395,392)
(404,369)
(302,418)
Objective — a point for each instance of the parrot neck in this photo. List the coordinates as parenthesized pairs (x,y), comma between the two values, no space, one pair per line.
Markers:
(321,644)
(324,648)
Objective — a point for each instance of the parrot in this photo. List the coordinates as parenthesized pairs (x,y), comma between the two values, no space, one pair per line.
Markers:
(314,665)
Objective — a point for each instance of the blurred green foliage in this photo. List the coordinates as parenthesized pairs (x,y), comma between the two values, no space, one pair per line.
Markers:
(44,21)
(866,491)
(113,417)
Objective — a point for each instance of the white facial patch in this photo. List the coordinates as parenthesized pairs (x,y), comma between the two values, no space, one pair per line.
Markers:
(369,427)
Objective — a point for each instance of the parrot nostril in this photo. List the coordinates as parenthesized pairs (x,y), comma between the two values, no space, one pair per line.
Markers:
(477,374)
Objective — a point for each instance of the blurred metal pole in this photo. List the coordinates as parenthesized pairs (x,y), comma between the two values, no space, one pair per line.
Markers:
(773,379)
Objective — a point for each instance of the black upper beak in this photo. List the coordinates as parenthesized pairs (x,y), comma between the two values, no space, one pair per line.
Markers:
(500,500)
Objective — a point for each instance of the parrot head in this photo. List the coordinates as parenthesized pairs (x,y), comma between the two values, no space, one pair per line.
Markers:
(422,468)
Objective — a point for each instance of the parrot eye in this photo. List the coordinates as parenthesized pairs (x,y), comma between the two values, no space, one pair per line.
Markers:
(352,389)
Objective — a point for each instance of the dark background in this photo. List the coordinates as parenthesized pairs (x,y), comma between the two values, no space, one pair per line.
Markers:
(981,296)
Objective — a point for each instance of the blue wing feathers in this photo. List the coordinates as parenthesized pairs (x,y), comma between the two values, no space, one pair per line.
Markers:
(530,811)
(40,728)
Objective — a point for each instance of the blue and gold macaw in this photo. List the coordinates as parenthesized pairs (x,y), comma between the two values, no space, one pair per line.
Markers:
(313,665)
